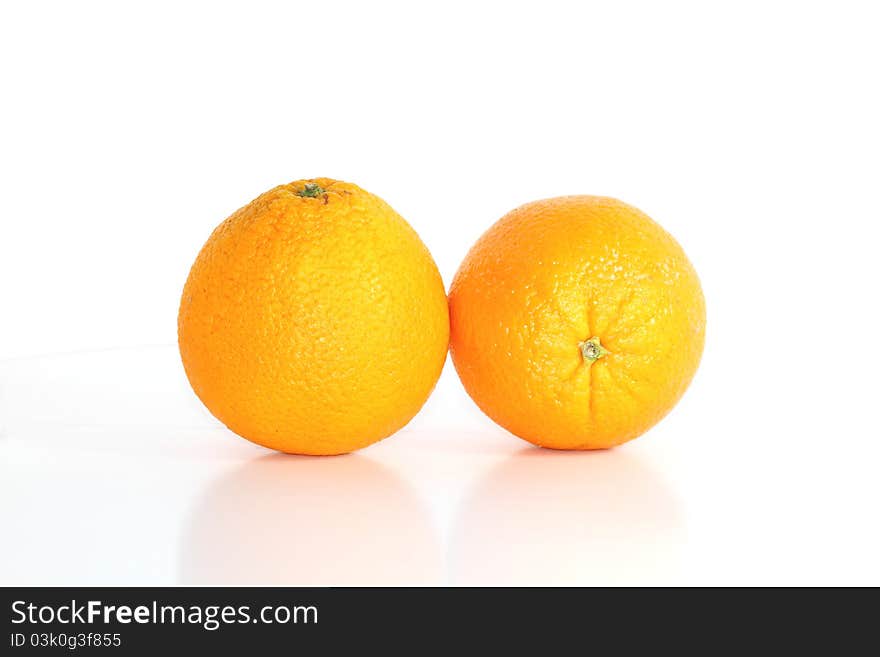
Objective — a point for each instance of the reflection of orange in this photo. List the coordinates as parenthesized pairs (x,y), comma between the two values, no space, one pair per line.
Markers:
(545,518)
(290,520)
(314,320)
(576,322)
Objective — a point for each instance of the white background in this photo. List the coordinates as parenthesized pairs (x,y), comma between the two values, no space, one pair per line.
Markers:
(749,131)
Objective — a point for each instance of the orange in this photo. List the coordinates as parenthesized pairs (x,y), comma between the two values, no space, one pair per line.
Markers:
(576,322)
(314,320)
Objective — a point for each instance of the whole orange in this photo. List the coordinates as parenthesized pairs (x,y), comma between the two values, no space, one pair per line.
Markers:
(576,322)
(314,320)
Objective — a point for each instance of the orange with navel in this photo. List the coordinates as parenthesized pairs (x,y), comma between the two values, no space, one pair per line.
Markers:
(314,320)
(576,322)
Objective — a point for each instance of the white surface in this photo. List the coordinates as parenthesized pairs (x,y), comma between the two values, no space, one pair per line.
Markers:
(749,132)
(111,472)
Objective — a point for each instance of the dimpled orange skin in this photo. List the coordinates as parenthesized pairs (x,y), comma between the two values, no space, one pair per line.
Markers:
(545,280)
(314,324)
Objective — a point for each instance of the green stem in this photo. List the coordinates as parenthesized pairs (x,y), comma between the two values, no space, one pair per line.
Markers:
(311,190)
(592,350)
